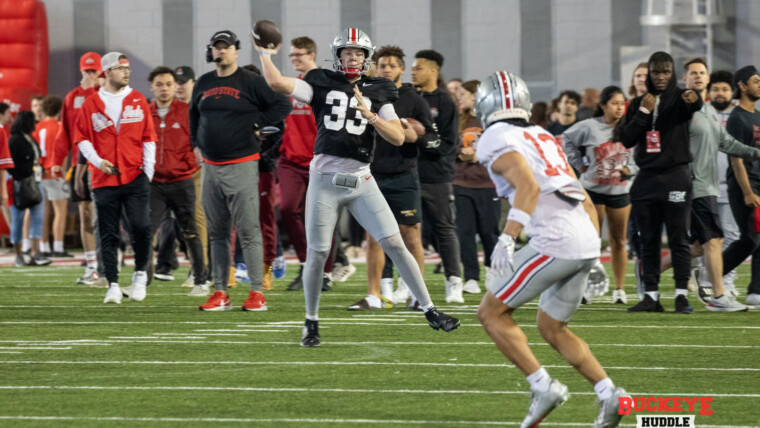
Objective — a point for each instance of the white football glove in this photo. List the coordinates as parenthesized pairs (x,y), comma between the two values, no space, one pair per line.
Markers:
(501,258)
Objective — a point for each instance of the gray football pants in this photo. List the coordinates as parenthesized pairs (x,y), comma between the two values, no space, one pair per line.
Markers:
(230,195)
(323,202)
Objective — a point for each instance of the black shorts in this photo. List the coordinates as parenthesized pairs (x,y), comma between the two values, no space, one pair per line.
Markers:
(86,179)
(611,201)
(402,192)
(705,222)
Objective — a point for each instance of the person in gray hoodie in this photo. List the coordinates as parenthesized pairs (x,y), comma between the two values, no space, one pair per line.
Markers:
(606,168)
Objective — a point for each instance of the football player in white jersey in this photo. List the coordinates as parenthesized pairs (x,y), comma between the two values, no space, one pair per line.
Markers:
(529,167)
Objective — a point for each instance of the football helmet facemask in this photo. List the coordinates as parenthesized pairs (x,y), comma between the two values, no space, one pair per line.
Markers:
(502,95)
(352,38)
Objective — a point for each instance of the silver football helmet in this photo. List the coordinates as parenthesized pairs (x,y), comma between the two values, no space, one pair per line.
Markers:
(352,38)
(502,95)
(598,283)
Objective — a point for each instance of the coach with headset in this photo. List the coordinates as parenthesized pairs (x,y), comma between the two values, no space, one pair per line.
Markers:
(228,105)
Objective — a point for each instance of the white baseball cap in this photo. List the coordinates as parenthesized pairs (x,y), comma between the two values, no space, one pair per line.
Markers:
(111,60)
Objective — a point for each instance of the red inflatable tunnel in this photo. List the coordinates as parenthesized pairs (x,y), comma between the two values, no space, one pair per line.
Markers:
(24,47)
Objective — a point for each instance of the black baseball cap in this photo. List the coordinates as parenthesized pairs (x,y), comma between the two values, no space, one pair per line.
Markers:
(226,36)
(742,75)
(184,73)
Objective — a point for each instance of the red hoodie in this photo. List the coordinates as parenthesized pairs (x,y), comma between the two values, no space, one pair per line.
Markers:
(300,134)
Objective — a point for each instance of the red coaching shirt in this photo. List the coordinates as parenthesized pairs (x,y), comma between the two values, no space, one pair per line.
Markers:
(123,148)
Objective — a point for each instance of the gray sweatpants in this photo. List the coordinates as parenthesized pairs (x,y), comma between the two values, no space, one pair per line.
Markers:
(368,205)
(230,194)
(560,282)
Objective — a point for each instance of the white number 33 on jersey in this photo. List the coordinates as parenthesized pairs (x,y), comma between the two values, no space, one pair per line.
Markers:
(341,107)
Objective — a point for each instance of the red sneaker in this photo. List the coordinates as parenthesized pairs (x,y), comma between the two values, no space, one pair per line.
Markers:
(217,302)
(255,302)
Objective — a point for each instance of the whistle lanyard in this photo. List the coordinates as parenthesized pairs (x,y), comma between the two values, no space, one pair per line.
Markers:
(655,111)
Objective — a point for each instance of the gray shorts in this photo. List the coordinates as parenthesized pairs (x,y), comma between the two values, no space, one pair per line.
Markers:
(56,189)
(560,282)
(324,200)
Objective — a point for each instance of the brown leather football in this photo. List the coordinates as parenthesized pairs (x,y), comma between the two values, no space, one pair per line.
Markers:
(415,124)
(266,34)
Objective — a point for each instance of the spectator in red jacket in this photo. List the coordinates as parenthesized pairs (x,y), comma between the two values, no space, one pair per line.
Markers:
(116,135)
(6,163)
(173,187)
(65,155)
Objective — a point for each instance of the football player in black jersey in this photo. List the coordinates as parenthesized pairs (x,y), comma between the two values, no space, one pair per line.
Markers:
(350,109)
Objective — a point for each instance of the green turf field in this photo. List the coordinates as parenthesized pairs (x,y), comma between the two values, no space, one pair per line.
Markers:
(68,360)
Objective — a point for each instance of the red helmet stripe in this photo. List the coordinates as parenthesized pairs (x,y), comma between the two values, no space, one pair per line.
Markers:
(352,37)
(505,86)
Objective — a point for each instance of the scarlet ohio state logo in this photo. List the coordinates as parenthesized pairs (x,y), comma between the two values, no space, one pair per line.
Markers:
(658,409)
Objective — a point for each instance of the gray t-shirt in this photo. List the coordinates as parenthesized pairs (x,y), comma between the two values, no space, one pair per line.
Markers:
(706,137)
(591,139)
(723,161)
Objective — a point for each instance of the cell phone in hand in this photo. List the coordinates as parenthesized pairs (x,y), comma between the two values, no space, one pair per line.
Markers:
(115,171)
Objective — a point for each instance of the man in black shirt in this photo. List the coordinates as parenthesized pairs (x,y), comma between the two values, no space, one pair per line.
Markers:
(436,165)
(657,124)
(743,179)
(227,107)
(395,169)
(351,109)
(568,107)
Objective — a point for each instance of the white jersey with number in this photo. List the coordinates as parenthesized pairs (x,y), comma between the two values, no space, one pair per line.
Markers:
(557,228)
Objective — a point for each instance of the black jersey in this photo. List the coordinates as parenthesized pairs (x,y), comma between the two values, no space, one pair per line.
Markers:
(341,129)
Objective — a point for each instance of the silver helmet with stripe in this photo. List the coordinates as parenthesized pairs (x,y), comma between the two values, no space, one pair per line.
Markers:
(502,95)
(352,38)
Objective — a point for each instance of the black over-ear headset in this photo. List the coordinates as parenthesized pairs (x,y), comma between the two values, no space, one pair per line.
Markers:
(236,42)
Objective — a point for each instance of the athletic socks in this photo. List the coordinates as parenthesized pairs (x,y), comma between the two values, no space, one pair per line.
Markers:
(45,247)
(604,388)
(312,317)
(655,295)
(26,245)
(386,288)
(540,381)
(91,258)
(681,292)
(57,246)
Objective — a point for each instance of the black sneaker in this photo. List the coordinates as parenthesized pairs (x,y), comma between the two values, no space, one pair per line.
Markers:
(327,283)
(297,283)
(40,260)
(439,320)
(682,305)
(310,335)
(647,305)
(163,273)
(60,254)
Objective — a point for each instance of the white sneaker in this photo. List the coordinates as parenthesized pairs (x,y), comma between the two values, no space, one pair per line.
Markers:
(402,292)
(619,296)
(542,403)
(725,303)
(454,290)
(471,286)
(113,295)
(89,277)
(753,299)
(199,290)
(386,289)
(190,281)
(608,410)
(341,273)
(730,288)
(139,282)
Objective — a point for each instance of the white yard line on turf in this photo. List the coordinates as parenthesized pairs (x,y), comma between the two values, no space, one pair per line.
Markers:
(152,339)
(39,348)
(344,390)
(237,323)
(313,421)
(360,363)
